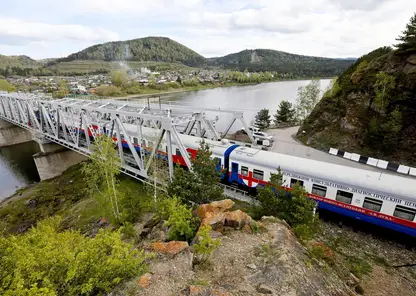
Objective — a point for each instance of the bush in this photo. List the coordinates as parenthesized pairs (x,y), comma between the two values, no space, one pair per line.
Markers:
(47,262)
(108,90)
(173,85)
(206,245)
(182,225)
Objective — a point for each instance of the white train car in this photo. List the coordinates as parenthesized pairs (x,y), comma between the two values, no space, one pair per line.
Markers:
(379,198)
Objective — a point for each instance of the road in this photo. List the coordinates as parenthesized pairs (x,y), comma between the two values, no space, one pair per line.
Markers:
(286,144)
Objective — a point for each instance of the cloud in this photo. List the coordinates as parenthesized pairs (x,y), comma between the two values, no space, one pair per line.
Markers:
(334,28)
(19,32)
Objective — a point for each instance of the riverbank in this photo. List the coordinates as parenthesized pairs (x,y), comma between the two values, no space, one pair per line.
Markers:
(146,91)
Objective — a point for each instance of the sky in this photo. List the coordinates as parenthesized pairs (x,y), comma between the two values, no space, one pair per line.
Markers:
(330,28)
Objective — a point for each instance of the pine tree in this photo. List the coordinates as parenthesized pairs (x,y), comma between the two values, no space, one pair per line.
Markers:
(262,120)
(408,39)
(200,185)
(285,113)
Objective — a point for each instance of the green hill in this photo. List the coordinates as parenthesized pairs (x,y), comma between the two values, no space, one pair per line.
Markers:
(370,110)
(21,61)
(161,53)
(157,49)
(273,60)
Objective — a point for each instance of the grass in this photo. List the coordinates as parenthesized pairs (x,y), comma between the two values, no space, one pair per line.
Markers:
(67,197)
(268,252)
(88,66)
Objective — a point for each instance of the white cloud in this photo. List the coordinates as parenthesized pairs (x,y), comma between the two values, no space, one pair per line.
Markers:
(335,28)
(16,31)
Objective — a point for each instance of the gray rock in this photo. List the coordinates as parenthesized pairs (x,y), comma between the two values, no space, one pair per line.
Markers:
(263,289)
(251,266)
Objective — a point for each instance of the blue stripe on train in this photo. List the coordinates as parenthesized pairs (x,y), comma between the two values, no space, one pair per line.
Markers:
(366,218)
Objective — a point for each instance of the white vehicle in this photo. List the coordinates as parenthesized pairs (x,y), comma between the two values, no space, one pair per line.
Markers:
(262,136)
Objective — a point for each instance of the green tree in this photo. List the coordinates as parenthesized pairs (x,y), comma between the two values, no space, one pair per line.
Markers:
(285,113)
(383,85)
(408,37)
(101,176)
(182,224)
(6,86)
(206,244)
(201,184)
(119,78)
(44,261)
(295,207)
(62,91)
(308,97)
(262,119)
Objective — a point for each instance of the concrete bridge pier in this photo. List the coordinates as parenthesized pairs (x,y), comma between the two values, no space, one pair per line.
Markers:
(54,159)
(11,134)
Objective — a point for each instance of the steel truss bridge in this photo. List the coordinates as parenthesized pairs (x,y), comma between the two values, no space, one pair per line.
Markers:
(61,121)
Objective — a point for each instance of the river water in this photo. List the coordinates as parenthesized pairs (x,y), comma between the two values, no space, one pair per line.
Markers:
(17,168)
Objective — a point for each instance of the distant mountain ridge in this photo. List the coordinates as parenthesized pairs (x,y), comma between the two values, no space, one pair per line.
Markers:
(165,50)
(274,60)
(20,61)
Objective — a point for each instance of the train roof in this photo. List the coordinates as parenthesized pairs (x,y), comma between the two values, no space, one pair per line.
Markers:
(400,186)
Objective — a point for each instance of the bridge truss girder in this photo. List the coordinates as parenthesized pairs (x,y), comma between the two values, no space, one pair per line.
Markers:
(61,121)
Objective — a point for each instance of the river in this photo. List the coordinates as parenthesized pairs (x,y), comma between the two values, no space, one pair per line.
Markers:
(17,168)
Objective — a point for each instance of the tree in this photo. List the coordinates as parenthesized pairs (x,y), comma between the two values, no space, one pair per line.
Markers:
(408,37)
(285,113)
(119,78)
(62,89)
(6,86)
(101,176)
(295,207)
(262,119)
(201,184)
(206,244)
(308,97)
(383,85)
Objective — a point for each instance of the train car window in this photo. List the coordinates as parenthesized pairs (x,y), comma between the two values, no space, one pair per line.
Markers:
(294,181)
(244,171)
(372,204)
(319,190)
(404,213)
(178,152)
(135,141)
(344,196)
(258,174)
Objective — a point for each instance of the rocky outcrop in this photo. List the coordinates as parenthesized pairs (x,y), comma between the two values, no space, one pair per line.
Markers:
(216,216)
(350,118)
(171,248)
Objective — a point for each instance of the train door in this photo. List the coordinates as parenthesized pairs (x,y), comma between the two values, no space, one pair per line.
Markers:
(234,173)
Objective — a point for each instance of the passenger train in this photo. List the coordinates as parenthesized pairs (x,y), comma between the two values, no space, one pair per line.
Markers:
(383,199)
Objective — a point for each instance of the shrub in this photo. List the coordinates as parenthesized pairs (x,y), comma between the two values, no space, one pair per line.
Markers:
(108,90)
(181,223)
(47,262)
(206,245)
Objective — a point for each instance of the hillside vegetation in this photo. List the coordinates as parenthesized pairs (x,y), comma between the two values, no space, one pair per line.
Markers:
(161,53)
(371,107)
(159,49)
(273,60)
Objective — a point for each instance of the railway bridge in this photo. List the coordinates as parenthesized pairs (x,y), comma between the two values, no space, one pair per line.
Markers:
(60,127)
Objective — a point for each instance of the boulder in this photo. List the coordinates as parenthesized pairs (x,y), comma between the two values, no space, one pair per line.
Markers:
(411,59)
(214,207)
(170,248)
(237,219)
(215,215)
(144,281)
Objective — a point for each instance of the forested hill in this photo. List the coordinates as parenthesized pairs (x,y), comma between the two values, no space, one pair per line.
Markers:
(159,49)
(371,108)
(273,60)
(167,52)
(20,61)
